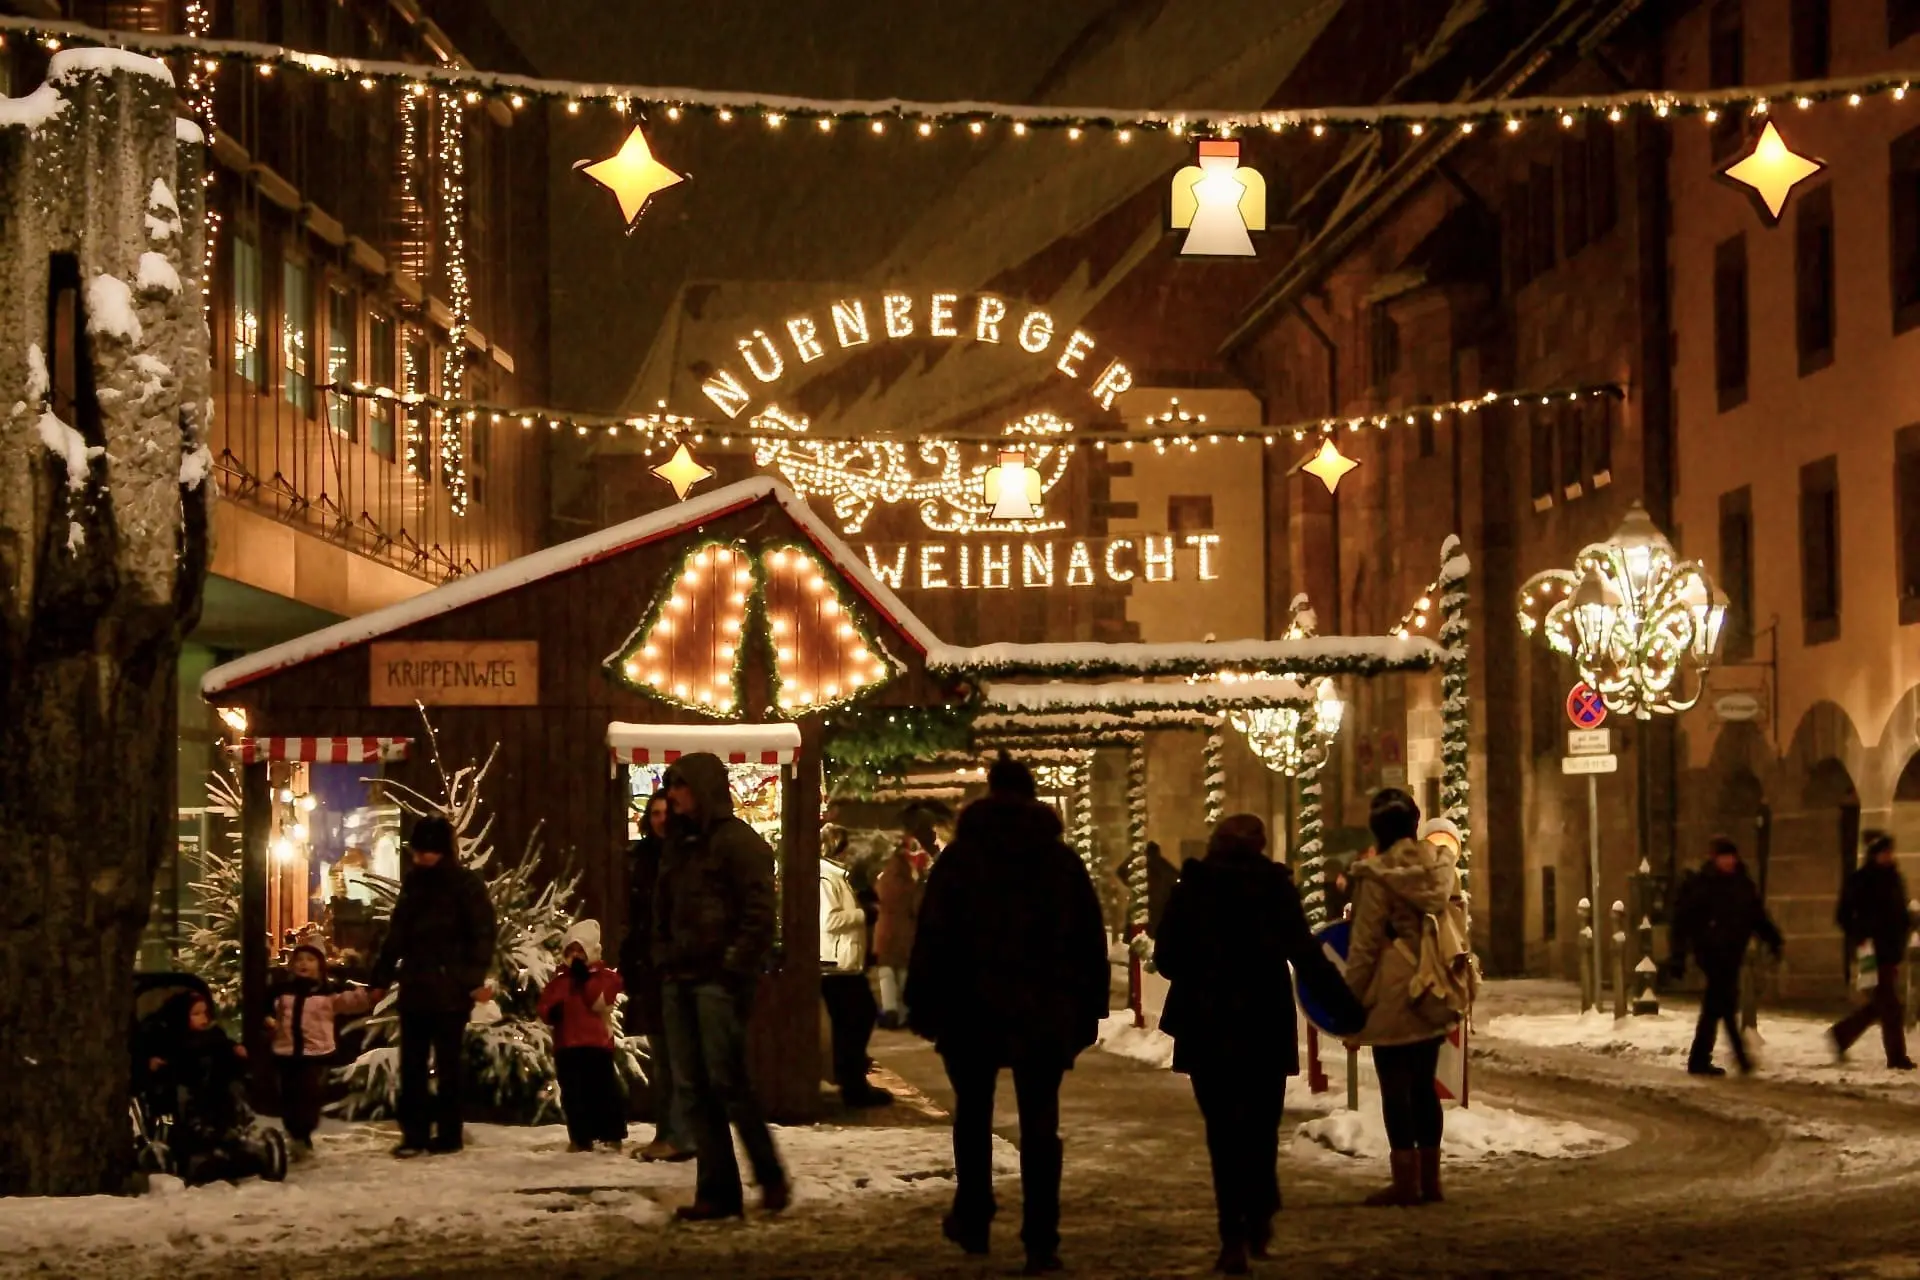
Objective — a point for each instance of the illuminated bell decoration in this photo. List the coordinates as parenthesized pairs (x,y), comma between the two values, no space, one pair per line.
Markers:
(1769,172)
(1012,488)
(1217,202)
(1640,624)
(683,471)
(1329,466)
(632,174)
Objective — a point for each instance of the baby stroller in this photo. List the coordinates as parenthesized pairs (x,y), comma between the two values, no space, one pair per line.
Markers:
(190,1122)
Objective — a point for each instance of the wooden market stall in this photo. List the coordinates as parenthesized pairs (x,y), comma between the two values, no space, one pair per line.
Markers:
(734,623)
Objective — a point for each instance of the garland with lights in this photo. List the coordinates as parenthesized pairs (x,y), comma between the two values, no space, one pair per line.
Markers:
(863,747)
(1314,656)
(641,661)
(453,262)
(850,630)
(925,118)
(1455,723)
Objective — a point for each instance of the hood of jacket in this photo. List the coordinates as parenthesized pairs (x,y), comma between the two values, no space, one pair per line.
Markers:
(1419,873)
(587,934)
(1003,822)
(706,776)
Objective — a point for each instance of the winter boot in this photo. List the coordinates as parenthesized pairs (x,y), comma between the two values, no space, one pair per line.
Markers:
(1233,1259)
(1430,1175)
(1406,1183)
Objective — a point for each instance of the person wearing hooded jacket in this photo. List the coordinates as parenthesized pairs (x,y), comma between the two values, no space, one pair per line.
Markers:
(1393,893)
(578,1002)
(440,942)
(1231,926)
(1716,915)
(1873,910)
(1009,969)
(713,930)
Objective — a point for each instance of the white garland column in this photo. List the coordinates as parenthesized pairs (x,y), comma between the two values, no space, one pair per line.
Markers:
(1139,878)
(1313,861)
(1083,813)
(1215,770)
(1456,721)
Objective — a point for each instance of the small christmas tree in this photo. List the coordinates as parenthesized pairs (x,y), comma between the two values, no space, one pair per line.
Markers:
(212,950)
(509,1049)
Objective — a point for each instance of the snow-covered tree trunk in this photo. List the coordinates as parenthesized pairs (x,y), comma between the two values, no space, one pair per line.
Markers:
(103,556)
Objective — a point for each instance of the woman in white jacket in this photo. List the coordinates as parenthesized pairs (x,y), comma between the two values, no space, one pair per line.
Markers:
(843,985)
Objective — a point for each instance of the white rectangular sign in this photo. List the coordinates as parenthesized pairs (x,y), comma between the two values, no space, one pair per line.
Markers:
(1590,764)
(1589,742)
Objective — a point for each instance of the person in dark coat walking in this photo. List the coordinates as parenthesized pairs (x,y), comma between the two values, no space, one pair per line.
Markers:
(1232,925)
(440,941)
(669,1101)
(1717,914)
(713,929)
(1009,969)
(1873,910)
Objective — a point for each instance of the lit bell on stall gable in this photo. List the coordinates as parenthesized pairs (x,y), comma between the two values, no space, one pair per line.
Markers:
(1217,202)
(1013,488)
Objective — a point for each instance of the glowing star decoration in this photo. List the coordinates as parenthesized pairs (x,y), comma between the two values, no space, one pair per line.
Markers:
(1013,489)
(632,174)
(1770,172)
(1329,466)
(683,471)
(1217,202)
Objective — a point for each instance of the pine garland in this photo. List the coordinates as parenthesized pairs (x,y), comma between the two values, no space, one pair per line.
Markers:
(1139,875)
(864,747)
(1312,850)
(1216,775)
(1456,723)
(1083,815)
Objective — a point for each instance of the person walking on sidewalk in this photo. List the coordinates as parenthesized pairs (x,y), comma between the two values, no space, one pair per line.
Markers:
(440,942)
(1232,925)
(713,924)
(900,889)
(669,1101)
(1716,916)
(844,987)
(1874,912)
(1393,894)
(1009,970)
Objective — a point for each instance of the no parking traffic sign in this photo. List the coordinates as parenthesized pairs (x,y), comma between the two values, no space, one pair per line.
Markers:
(1585,708)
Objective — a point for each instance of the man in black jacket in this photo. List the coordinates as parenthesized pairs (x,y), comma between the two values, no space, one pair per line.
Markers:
(1717,915)
(1873,910)
(441,942)
(713,929)
(1009,969)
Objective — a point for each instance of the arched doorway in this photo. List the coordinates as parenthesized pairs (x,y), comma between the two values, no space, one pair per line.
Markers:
(1830,795)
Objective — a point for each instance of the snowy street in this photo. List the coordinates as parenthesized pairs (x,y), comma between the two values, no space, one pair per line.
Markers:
(1587,1152)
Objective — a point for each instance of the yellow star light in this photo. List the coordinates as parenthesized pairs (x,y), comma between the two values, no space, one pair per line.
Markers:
(1770,172)
(632,174)
(1329,466)
(683,471)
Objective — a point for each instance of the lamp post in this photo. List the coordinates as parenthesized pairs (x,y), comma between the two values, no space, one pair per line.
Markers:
(1641,625)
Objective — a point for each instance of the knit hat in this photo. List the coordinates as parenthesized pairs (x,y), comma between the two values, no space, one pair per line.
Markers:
(1441,827)
(432,835)
(1009,777)
(315,950)
(587,934)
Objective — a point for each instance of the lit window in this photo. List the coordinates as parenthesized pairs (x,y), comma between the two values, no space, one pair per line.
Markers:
(342,411)
(246,308)
(296,334)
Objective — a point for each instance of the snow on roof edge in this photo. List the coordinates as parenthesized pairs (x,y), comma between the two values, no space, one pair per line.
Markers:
(705,737)
(550,561)
(1114,695)
(1147,658)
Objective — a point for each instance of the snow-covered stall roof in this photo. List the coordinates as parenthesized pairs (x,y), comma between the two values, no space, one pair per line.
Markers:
(1131,695)
(568,556)
(734,743)
(1311,655)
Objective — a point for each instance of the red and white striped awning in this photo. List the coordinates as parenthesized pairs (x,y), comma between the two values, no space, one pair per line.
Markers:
(320,750)
(767,744)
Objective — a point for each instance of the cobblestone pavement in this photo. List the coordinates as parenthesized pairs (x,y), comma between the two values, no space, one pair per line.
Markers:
(1719,1178)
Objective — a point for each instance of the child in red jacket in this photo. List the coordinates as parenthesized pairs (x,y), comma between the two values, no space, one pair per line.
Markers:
(579,1005)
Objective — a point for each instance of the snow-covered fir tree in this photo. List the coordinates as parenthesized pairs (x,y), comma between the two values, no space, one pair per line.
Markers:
(212,950)
(510,1062)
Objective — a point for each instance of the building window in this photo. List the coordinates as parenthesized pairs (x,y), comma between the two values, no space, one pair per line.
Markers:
(1906,508)
(1190,513)
(1820,549)
(247,306)
(1576,225)
(1812,39)
(1726,68)
(1736,572)
(1813,300)
(1540,231)
(1603,181)
(296,334)
(1383,339)
(380,372)
(1730,321)
(1903,187)
(1541,434)
(1570,426)
(342,411)
(1903,20)
(1598,413)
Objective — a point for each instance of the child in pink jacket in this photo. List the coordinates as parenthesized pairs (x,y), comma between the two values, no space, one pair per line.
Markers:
(579,1005)
(304,1011)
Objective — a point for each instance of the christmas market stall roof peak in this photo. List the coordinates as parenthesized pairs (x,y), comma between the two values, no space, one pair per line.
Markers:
(568,556)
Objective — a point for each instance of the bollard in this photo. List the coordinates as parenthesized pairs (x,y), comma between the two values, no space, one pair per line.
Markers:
(1353,1079)
(1646,969)
(1588,978)
(1619,960)
(1317,1081)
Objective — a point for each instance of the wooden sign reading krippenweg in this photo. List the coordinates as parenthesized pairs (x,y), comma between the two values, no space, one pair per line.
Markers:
(456,673)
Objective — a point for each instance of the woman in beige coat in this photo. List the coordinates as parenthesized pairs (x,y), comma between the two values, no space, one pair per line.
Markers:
(1393,894)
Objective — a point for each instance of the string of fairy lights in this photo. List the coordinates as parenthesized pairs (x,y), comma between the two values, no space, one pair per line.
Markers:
(921,119)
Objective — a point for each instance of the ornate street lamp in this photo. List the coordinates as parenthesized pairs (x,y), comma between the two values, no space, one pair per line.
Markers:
(1640,624)
(1284,738)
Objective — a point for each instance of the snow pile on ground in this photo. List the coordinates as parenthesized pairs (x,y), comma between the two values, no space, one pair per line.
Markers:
(1148,1044)
(509,1182)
